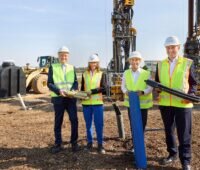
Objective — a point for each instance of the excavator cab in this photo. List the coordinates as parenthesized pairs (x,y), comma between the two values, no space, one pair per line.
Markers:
(46,61)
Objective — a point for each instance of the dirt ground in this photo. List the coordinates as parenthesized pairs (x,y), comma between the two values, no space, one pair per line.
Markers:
(26,136)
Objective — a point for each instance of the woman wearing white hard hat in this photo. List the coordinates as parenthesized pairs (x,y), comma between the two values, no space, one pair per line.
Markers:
(94,83)
(176,72)
(134,80)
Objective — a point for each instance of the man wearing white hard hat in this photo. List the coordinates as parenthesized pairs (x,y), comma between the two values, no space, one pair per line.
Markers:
(94,83)
(62,78)
(176,72)
(134,80)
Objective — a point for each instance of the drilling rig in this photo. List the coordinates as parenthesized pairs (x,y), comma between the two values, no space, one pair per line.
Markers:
(192,45)
(124,41)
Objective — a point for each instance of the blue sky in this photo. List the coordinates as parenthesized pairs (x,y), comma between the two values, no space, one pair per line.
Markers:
(30,28)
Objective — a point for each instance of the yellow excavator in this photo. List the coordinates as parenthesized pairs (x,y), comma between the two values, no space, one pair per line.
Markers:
(36,77)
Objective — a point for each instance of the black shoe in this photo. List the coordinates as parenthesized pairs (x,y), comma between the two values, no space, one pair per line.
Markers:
(89,147)
(75,147)
(186,167)
(56,148)
(169,160)
(101,149)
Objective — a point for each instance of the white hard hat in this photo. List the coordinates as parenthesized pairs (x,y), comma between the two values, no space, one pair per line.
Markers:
(63,49)
(135,54)
(172,40)
(93,58)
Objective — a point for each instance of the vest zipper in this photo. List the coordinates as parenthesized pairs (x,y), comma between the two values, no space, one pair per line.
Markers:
(170,84)
(90,87)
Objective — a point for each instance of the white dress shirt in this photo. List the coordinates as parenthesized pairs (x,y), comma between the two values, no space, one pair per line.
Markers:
(135,75)
(64,67)
(172,65)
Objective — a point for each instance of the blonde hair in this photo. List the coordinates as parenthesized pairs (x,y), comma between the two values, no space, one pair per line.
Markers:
(97,67)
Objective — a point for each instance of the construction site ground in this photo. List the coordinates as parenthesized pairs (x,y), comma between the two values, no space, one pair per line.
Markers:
(26,136)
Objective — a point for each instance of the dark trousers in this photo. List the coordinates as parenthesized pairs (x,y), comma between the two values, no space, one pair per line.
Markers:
(181,119)
(59,114)
(144,115)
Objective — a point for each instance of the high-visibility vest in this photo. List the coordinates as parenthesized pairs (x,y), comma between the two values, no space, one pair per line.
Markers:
(178,81)
(146,101)
(63,81)
(92,82)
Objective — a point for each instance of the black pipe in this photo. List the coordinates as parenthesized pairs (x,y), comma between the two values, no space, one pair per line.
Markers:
(198,13)
(190,17)
(120,121)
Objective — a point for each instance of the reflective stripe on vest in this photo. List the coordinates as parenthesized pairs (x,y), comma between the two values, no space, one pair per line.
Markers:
(146,101)
(62,80)
(178,81)
(92,82)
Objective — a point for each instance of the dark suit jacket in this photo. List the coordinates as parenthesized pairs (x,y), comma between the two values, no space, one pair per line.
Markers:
(52,87)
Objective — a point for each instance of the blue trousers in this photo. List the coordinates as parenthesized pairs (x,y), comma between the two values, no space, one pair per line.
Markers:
(71,108)
(95,112)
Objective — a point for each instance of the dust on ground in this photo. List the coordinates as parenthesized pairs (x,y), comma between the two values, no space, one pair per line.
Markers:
(26,136)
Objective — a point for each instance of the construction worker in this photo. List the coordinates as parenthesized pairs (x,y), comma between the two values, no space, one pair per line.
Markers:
(94,83)
(176,72)
(62,78)
(133,80)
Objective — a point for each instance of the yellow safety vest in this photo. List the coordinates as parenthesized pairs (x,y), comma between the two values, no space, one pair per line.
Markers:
(178,81)
(92,82)
(146,101)
(62,80)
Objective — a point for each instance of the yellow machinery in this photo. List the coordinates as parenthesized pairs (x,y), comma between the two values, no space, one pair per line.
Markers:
(192,45)
(124,38)
(124,41)
(129,2)
(36,78)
